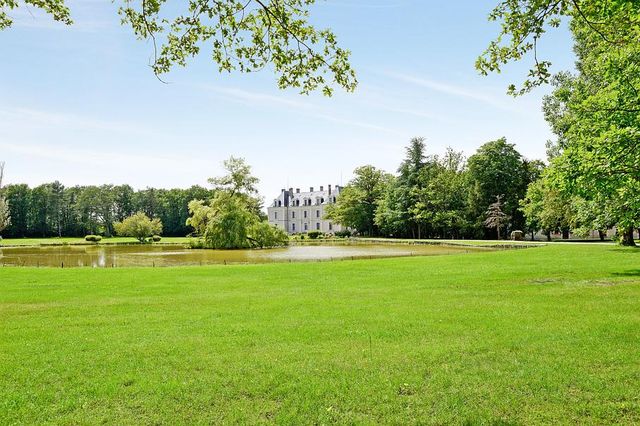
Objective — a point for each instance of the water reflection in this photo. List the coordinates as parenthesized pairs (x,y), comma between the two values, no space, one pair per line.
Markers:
(175,255)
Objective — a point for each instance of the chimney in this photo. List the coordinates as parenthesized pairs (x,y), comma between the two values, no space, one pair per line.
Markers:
(321,188)
(329,189)
(311,189)
(290,190)
(282,190)
(297,190)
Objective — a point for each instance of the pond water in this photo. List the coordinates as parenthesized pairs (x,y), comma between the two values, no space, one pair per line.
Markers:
(176,255)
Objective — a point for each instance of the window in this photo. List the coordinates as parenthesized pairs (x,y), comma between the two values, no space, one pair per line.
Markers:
(306,226)
(330,226)
(293,227)
(279,203)
(293,215)
(321,200)
(305,214)
(318,226)
(317,213)
(275,215)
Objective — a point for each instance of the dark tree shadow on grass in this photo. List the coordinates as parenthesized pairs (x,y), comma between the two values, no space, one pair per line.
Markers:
(628,273)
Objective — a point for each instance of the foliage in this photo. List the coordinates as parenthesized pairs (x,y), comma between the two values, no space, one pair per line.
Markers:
(232,219)
(55,210)
(615,22)
(5,214)
(314,235)
(446,197)
(93,238)
(345,233)
(242,35)
(546,208)
(224,224)
(498,169)
(156,238)
(596,117)
(495,217)
(356,205)
(264,235)
(139,226)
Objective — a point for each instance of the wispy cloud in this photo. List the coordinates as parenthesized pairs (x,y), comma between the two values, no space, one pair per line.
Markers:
(309,109)
(253,98)
(83,14)
(380,4)
(450,89)
(99,158)
(15,117)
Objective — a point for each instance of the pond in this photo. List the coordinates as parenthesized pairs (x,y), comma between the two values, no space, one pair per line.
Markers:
(177,255)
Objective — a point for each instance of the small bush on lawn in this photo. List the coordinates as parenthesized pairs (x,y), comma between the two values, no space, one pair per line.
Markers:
(314,234)
(93,238)
(156,238)
(343,234)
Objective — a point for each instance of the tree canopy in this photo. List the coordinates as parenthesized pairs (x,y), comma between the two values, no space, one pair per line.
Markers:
(524,22)
(358,201)
(139,226)
(232,218)
(596,117)
(239,35)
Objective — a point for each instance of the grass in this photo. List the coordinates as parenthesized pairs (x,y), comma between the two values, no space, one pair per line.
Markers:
(14,242)
(542,335)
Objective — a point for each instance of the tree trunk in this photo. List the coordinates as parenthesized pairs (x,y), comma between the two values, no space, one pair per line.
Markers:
(498,229)
(602,234)
(548,235)
(627,238)
(565,234)
(533,235)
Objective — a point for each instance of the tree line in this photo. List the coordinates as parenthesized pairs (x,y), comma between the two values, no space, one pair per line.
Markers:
(440,196)
(592,180)
(53,210)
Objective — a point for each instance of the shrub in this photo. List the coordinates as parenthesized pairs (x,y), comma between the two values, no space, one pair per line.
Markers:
(264,235)
(139,226)
(93,238)
(156,238)
(314,234)
(196,243)
(343,234)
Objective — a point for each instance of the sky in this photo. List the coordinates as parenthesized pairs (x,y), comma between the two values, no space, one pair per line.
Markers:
(80,104)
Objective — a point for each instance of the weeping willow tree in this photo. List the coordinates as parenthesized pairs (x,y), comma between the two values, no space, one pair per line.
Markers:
(232,219)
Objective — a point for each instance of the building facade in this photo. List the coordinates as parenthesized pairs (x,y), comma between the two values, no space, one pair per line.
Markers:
(300,212)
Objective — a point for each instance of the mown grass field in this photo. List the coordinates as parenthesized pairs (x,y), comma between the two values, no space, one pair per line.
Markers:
(541,335)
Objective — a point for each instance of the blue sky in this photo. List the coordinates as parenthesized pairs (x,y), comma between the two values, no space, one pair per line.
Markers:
(79,104)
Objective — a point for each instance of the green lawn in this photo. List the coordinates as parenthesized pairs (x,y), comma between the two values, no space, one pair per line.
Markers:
(541,335)
(11,242)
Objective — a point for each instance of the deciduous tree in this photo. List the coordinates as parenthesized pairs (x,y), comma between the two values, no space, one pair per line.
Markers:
(356,205)
(139,226)
(241,35)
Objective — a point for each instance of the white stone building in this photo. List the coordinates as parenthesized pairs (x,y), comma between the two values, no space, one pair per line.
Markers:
(300,212)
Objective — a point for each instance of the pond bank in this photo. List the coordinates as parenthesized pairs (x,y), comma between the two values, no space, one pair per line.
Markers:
(153,255)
